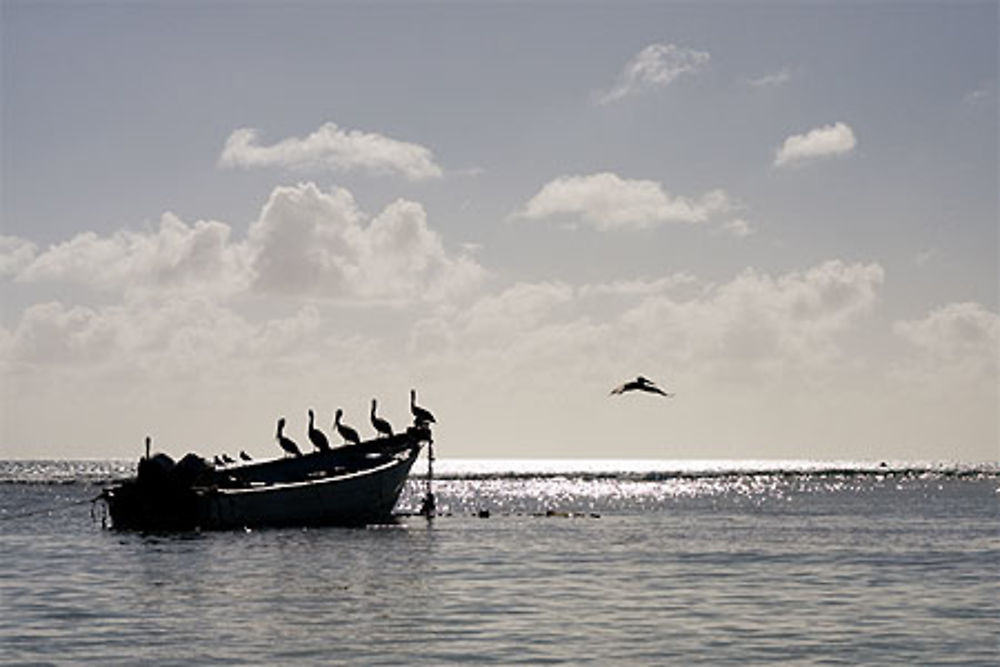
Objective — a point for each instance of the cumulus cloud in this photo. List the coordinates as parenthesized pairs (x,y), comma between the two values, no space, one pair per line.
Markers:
(656,66)
(319,243)
(331,147)
(306,242)
(159,336)
(958,341)
(822,142)
(755,327)
(15,254)
(176,256)
(608,202)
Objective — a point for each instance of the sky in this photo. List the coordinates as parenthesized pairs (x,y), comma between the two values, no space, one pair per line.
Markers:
(216,214)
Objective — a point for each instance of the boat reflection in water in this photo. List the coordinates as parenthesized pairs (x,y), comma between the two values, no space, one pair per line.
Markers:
(350,485)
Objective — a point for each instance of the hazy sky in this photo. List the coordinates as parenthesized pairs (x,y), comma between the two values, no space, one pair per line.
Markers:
(215,214)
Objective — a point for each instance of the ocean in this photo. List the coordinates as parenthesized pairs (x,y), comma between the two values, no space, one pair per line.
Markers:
(532,562)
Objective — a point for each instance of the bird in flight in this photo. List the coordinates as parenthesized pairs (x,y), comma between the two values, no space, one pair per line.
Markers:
(640,384)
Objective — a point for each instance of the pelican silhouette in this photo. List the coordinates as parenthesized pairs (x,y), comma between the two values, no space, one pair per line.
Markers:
(217,461)
(316,436)
(245,456)
(227,459)
(286,443)
(421,416)
(345,431)
(640,384)
(381,425)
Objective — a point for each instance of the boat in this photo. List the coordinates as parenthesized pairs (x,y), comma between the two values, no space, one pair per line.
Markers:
(345,486)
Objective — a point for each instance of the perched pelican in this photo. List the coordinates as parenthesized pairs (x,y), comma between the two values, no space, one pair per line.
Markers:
(345,431)
(640,384)
(286,443)
(317,436)
(381,425)
(227,459)
(421,416)
(245,456)
(217,461)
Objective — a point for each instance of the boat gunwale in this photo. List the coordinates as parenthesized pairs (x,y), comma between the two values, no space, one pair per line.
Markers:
(278,486)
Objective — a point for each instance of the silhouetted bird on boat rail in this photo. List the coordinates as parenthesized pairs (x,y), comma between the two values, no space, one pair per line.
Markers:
(382,426)
(244,456)
(345,431)
(316,436)
(640,384)
(286,443)
(421,416)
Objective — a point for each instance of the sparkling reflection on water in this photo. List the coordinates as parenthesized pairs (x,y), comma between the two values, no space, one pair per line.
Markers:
(604,569)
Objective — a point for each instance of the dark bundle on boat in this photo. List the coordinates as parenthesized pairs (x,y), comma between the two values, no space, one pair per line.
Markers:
(355,484)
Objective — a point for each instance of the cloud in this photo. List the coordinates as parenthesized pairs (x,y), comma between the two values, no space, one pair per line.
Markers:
(306,243)
(756,327)
(656,66)
(958,342)
(826,141)
(739,228)
(15,254)
(331,147)
(158,336)
(772,79)
(608,202)
(176,256)
(310,242)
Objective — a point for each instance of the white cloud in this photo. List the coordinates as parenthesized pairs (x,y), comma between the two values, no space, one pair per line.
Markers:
(153,336)
(608,202)
(958,342)
(772,79)
(753,328)
(739,228)
(176,256)
(309,242)
(305,243)
(826,141)
(656,66)
(15,254)
(331,147)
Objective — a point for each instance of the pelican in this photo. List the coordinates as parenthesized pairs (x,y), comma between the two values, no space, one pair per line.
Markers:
(345,431)
(640,384)
(227,459)
(381,425)
(245,456)
(217,461)
(317,436)
(286,443)
(421,416)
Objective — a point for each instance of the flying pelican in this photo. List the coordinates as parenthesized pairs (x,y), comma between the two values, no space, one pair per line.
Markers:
(286,443)
(420,415)
(640,384)
(345,431)
(245,456)
(381,425)
(317,436)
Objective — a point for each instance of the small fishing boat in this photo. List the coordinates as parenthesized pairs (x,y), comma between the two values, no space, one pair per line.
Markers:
(350,485)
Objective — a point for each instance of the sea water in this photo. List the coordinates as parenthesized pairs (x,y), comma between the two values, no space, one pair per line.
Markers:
(602,562)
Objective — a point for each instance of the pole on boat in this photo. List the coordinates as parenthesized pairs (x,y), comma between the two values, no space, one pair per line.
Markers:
(148,439)
(427,507)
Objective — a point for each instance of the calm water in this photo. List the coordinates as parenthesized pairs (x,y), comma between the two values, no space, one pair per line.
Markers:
(636,563)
